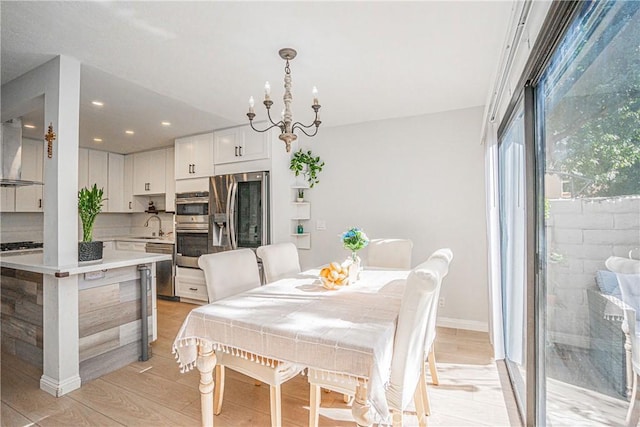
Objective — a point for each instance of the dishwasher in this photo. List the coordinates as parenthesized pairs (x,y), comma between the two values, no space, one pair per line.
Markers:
(165,287)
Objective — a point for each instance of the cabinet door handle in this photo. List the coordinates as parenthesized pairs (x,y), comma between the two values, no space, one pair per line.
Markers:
(147,186)
(129,205)
(236,147)
(193,289)
(240,150)
(39,203)
(190,166)
(194,168)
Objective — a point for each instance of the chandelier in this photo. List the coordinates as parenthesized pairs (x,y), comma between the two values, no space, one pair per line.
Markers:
(286,124)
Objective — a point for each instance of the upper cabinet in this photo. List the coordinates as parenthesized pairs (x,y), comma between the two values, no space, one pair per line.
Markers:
(240,144)
(194,156)
(149,172)
(29,198)
(170,181)
(115,193)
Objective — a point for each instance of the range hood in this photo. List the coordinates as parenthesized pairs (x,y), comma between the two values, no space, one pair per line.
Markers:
(11,155)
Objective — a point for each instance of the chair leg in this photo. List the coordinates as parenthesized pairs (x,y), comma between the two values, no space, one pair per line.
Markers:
(396,417)
(276,405)
(218,393)
(418,400)
(432,367)
(424,394)
(314,405)
(633,415)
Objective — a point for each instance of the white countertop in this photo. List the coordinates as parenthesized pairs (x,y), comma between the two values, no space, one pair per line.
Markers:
(111,259)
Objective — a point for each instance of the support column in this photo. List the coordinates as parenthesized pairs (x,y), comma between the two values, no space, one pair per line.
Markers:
(58,82)
(60,340)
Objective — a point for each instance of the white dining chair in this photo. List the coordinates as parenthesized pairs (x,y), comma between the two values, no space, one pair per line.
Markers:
(628,275)
(278,261)
(444,257)
(229,273)
(389,253)
(407,361)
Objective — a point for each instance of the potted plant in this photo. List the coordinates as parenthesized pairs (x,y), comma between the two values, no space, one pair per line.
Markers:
(300,195)
(89,206)
(308,165)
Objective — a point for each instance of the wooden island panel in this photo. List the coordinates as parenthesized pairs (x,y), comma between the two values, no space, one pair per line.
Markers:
(21,314)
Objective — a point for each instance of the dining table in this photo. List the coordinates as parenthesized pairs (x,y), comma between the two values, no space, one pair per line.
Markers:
(346,331)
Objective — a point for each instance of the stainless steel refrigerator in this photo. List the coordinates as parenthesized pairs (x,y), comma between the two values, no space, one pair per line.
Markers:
(239,211)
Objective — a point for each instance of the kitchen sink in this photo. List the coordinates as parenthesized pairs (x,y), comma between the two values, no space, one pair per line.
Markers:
(147,237)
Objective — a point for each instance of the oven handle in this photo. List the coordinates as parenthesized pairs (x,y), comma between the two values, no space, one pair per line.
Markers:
(192,230)
(192,201)
(231,207)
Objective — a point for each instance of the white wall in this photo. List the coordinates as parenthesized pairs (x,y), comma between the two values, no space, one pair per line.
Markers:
(417,177)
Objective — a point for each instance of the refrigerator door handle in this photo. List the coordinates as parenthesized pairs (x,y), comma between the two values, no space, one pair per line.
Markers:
(232,216)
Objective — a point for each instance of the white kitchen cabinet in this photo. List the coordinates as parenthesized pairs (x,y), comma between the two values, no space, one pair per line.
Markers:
(131,246)
(83,168)
(191,285)
(149,172)
(170,182)
(194,156)
(239,145)
(7,199)
(115,185)
(93,168)
(131,203)
(29,198)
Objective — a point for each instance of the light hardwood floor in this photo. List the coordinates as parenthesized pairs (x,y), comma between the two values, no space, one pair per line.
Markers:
(155,393)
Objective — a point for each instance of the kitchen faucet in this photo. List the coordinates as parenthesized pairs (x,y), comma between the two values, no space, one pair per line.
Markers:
(160,232)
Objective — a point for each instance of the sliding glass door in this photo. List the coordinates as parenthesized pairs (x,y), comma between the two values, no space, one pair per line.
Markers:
(570,200)
(512,249)
(588,114)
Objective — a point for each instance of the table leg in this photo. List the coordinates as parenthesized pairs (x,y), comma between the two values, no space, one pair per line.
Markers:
(361,406)
(206,363)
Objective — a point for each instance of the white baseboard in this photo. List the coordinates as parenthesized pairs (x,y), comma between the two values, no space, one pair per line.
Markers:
(56,388)
(470,325)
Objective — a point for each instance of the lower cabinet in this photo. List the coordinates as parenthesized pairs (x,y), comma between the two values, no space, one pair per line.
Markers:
(191,285)
(131,246)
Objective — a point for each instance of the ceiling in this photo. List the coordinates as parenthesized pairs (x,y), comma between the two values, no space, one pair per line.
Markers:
(195,64)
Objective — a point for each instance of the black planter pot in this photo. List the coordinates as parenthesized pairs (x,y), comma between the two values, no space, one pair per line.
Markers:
(89,251)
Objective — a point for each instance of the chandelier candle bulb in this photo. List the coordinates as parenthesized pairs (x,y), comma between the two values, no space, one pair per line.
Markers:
(314,91)
(251,104)
(267,91)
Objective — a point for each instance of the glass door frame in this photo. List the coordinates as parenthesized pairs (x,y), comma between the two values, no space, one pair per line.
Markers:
(559,17)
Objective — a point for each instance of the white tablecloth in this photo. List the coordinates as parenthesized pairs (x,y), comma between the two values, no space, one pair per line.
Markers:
(347,331)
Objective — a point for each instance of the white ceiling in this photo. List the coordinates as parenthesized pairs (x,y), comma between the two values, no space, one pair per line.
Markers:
(195,64)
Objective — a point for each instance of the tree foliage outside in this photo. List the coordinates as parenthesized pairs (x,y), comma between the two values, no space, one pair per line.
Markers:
(592,108)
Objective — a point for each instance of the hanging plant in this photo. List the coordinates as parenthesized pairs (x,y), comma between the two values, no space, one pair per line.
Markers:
(306,164)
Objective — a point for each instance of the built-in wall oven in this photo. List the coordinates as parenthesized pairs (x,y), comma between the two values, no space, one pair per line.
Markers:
(192,227)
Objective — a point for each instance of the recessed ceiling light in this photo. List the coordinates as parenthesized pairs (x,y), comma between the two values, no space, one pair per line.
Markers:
(97,139)
(30,126)
(166,123)
(97,103)
(129,132)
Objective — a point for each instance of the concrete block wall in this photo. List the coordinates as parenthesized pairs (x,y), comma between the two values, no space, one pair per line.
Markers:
(581,235)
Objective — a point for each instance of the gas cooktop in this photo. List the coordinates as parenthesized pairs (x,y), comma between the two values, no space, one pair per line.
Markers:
(18,246)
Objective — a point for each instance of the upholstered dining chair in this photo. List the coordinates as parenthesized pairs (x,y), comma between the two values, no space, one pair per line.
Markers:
(390,253)
(229,273)
(407,360)
(443,257)
(278,261)
(628,275)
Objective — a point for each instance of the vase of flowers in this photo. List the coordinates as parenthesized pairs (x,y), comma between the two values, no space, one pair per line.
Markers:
(353,240)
